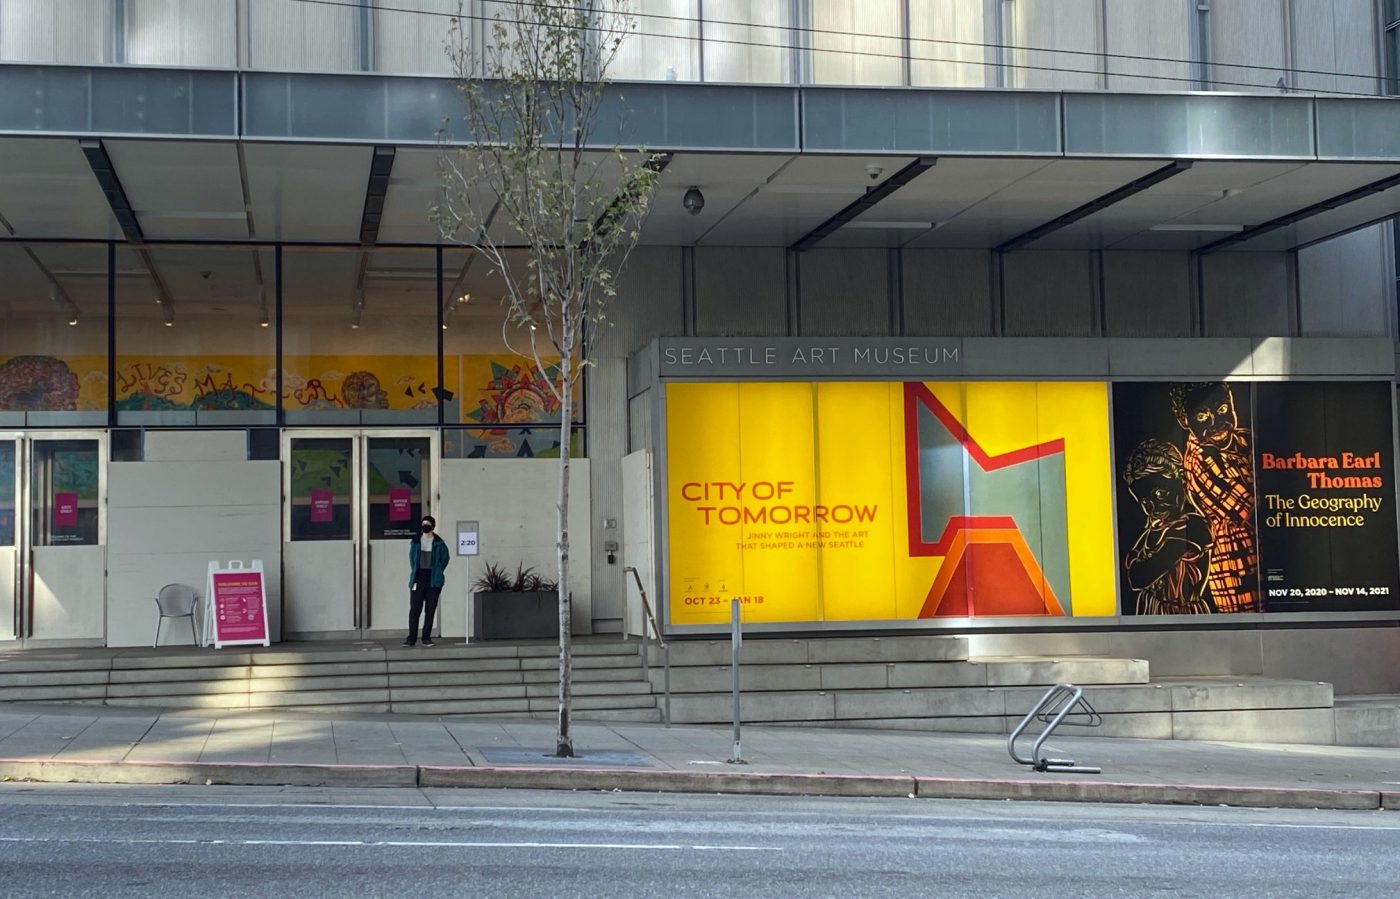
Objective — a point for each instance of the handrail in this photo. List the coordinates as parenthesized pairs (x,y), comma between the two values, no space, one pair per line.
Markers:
(650,618)
(1057,704)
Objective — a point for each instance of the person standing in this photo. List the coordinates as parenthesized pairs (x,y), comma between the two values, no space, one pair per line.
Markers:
(427,560)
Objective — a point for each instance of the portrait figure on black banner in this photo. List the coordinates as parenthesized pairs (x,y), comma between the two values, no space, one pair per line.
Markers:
(1168,565)
(1219,470)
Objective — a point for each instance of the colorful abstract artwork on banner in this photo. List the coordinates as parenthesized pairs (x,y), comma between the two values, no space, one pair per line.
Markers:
(875,501)
(1255,497)
(53,384)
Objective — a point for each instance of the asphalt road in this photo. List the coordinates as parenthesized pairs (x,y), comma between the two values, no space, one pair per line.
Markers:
(307,843)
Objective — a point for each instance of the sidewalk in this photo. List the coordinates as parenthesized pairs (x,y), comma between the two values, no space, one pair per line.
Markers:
(95,744)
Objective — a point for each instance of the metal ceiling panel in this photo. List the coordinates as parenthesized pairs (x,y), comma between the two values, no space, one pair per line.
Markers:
(182,190)
(47,190)
(310,192)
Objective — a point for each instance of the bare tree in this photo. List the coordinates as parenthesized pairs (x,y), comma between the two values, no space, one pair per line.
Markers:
(551,200)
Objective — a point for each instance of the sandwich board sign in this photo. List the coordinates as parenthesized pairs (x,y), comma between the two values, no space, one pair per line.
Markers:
(235,612)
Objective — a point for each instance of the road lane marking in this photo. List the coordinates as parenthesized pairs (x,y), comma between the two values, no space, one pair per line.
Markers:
(398,844)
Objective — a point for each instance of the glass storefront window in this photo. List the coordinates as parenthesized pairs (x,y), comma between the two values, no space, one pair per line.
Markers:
(359,344)
(195,342)
(7,493)
(508,409)
(398,471)
(53,335)
(322,473)
(65,491)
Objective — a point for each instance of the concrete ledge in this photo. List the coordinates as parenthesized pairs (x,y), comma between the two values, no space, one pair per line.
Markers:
(1155,794)
(1390,801)
(238,773)
(646,780)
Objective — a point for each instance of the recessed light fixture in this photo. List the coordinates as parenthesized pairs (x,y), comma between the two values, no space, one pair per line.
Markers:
(1201,228)
(882,225)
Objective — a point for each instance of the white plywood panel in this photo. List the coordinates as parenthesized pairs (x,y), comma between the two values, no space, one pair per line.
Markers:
(195,446)
(133,579)
(8,560)
(319,587)
(514,501)
(388,583)
(203,485)
(68,592)
(638,526)
(210,529)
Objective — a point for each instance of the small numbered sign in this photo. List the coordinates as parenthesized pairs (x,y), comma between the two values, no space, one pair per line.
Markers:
(468,538)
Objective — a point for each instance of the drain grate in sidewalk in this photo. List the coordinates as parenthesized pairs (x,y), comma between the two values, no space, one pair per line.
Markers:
(587,758)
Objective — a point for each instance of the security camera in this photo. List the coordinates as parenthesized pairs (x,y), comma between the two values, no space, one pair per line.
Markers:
(693,201)
(874,171)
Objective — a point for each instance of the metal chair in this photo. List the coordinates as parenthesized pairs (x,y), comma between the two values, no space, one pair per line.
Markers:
(176,601)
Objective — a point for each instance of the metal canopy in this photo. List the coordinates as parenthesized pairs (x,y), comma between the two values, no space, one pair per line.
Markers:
(217,156)
(209,192)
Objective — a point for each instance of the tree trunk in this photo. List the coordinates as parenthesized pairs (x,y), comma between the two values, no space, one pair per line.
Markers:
(564,741)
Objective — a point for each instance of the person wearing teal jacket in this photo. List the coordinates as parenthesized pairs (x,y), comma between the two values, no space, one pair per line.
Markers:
(427,569)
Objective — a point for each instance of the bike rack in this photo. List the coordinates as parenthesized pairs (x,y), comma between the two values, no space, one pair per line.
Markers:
(1058,703)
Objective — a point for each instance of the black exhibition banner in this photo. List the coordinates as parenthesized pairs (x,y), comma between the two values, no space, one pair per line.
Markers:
(1185,498)
(1325,469)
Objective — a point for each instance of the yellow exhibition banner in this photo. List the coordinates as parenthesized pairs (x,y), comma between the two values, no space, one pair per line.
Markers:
(838,501)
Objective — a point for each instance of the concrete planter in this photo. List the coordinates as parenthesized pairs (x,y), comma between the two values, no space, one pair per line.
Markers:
(514,615)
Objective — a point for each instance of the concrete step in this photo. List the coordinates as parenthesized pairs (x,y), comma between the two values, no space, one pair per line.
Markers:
(50,678)
(1367,720)
(178,675)
(757,677)
(1016,671)
(779,651)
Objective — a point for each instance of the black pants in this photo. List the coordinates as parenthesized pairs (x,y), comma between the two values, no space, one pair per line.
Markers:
(422,598)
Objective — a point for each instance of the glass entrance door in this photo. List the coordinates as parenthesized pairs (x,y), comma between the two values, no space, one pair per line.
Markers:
(353,501)
(53,535)
(9,538)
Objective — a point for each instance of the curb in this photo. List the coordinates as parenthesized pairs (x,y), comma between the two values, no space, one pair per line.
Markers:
(249,774)
(670,781)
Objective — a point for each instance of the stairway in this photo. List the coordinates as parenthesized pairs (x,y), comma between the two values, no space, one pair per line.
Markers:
(930,683)
(447,679)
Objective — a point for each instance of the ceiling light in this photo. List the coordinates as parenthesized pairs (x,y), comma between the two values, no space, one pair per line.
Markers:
(359,298)
(263,320)
(465,298)
(73,321)
(355,322)
(53,292)
(1204,228)
(892,225)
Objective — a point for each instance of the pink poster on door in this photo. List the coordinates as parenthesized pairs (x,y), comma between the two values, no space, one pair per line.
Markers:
(240,613)
(400,503)
(65,510)
(322,506)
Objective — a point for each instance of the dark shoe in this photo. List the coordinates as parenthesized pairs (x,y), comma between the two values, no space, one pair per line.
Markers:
(408,643)
(427,642)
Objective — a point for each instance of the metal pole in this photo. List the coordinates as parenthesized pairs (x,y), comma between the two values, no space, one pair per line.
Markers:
(736,640)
